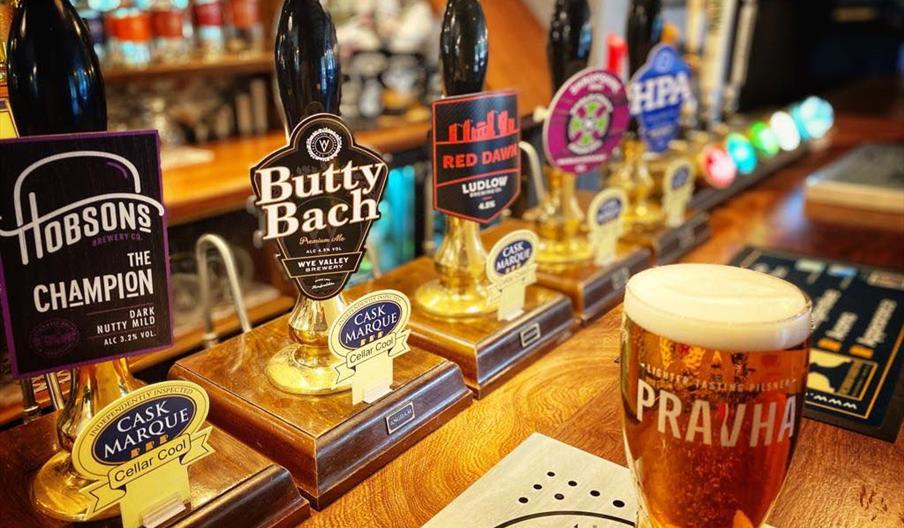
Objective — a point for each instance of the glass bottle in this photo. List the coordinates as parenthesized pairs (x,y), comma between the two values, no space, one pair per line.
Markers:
(132,28)
(210,27)
(171,28)
(246,32)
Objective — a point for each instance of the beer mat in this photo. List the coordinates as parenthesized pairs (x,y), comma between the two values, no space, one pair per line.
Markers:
(855,378)
(545,483)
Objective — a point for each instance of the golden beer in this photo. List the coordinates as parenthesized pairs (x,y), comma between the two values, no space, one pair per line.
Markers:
(714,365)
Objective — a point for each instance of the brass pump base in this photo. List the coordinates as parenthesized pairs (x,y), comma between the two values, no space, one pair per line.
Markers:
(441,301)
(559,222)
(56,489)
(56,492)
(554,254)
(295,371)
(307,366)
(643,214)
(461,290)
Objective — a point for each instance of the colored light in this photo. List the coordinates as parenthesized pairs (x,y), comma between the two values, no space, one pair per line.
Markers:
(763,139)
(719,169)
(741,151)
(785,130)
(813,117)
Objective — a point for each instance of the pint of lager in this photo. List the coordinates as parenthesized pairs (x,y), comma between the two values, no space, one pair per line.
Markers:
(714,366)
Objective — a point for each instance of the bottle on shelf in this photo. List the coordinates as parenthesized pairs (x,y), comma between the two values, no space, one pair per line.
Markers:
(616,49)
(210,27)
(131,27)
(171,28)
(246,31)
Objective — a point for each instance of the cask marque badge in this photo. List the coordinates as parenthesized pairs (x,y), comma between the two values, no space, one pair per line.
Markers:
(136,452)
(677,189)
(368,335)
(511,267)
(319,196)
(605,223)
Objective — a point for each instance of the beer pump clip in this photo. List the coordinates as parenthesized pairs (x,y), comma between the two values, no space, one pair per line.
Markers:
(320,195)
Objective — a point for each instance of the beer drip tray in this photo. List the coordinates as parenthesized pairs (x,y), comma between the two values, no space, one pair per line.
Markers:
(545,483)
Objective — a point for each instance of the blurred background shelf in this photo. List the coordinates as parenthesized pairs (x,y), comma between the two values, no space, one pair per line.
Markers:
(233,64)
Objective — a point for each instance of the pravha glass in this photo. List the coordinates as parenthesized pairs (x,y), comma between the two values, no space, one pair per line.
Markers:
(714,364)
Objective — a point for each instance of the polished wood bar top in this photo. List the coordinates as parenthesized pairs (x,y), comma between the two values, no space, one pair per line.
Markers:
(838,478)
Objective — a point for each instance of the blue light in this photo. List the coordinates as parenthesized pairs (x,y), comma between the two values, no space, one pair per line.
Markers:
(813,117)
(742,152)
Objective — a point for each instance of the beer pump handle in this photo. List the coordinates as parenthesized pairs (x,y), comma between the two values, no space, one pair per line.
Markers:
(54,78)
(463,47)
(643,31)
(570,40)
(307,61)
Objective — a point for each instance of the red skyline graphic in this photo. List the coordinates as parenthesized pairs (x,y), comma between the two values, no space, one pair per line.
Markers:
(497,124)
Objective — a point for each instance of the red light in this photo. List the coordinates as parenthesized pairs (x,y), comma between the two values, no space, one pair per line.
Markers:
(719,169)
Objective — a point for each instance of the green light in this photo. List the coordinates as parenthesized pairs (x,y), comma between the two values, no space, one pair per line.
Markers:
(763,139)
(741,151)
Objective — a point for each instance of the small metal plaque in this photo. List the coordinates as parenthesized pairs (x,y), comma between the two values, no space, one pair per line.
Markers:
(620,278)
(531,335)
(400,418)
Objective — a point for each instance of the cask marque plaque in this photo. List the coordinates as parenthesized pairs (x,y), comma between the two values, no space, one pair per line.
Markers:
(83,249)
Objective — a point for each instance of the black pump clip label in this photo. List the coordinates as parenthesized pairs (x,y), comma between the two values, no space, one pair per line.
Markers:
(84,273)
(476,158)
(319,195)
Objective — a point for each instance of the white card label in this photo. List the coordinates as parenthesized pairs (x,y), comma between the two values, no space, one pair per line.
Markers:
(368,335)
(511,267)
(604,221)
(677,189)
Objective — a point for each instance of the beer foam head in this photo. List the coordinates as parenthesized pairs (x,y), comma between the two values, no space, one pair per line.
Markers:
(721,307)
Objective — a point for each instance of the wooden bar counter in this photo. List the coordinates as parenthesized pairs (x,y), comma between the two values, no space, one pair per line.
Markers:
(838,478)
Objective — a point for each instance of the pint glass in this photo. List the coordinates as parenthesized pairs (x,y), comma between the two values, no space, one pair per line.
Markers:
(713,372)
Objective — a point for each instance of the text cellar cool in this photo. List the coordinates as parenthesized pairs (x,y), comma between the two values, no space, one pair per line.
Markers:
(278,188)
